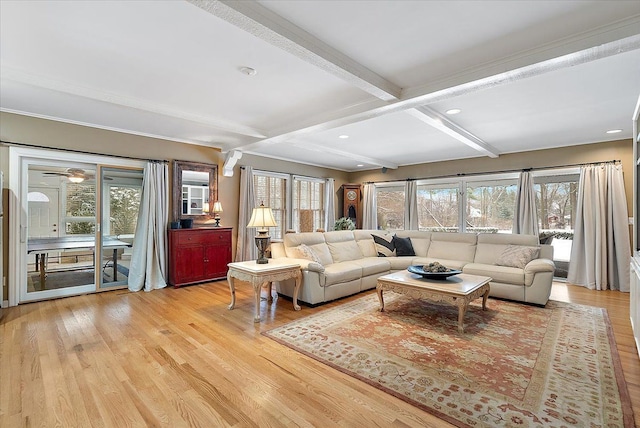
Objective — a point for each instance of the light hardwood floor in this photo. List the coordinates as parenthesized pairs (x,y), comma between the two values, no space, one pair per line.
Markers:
(178,357)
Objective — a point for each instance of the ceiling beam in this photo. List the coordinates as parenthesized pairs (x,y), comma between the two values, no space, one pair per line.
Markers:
(443,124)
(270,27)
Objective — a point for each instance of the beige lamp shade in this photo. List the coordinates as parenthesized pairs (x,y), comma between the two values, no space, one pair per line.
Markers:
(262,217)
(205,207)
(217,207)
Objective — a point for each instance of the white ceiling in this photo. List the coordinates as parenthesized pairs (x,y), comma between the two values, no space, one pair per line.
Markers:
(527,74)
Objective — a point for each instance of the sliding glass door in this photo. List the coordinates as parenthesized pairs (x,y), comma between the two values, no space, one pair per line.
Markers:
(74,223)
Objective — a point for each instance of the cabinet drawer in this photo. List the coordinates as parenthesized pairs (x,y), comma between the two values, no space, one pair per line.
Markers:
(203,237)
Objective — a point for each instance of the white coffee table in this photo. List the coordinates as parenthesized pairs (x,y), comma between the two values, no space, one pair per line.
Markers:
(259,274)
(459,290)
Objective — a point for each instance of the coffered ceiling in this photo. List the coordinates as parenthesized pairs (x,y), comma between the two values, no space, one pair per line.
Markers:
(525,75)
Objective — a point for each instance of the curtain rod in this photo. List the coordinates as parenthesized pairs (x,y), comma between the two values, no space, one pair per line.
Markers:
(35,146)
(471,174)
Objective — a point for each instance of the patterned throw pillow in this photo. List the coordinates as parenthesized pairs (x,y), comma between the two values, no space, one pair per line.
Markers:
(302,251)
(403,246)
(383,247)
(517,256)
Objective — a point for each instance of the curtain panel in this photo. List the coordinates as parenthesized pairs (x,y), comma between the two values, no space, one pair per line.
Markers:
(369,207)
(411,205)
(149,258)
(600,254)
(245,246)
(329,204)
(525,216)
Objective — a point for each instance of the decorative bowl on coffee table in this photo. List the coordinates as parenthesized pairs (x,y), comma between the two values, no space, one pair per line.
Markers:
(417,269)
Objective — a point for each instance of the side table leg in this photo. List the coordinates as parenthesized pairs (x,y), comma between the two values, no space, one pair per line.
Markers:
(380,298)
(296,290)
(256,291)
(269,291)
(233,290)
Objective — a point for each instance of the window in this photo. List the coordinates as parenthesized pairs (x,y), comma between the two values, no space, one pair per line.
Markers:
(80,208)
(390,206)
(438,207)
(308,204)
(271,189)
(124,204)
(490,206)
(556,197)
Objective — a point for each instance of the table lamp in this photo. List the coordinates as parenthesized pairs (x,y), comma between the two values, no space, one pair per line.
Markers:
(217,209)
(262,218)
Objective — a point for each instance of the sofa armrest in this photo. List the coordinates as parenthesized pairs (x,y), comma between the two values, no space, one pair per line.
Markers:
(305,264)
(536,266)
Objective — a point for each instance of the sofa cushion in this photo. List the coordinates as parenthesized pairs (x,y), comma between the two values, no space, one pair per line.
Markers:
(403,246)
(344,251)
(491,245)
(503,274)
(302,251)
(341,272)
(399,263)
(322,253)
(384,246)
(517,256)
(373,265)
(453,246)
(368,247)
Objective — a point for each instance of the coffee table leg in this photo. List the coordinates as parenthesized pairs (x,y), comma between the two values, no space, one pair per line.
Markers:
(462,309)
(232,289)
(296,290)
(381,299)
(257,287)
(484,300)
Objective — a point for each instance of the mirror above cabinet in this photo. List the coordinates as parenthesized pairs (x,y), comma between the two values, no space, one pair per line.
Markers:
(195,189)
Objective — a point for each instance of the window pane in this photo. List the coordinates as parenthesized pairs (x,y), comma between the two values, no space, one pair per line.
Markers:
(124,203)
(308,205)
(490,207)
(272,192)
(438,208)
(556,202)
(390,201)
(80,208)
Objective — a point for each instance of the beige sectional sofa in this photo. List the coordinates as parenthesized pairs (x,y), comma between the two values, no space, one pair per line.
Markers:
(341,263)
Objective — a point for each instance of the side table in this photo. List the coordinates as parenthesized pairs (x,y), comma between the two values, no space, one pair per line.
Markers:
(258,275)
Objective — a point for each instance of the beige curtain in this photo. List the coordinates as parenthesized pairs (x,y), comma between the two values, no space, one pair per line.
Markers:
(369,207)
(329,204)
(246,248)
(411,205)
(600,254)
(148,267)
(525,216)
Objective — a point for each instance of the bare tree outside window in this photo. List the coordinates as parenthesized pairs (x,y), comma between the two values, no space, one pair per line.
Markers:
(390,201)
(438,208)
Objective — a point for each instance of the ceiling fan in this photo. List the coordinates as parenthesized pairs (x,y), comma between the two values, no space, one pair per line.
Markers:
(75,175)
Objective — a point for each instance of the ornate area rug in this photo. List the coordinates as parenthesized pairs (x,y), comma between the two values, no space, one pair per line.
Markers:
(515,365)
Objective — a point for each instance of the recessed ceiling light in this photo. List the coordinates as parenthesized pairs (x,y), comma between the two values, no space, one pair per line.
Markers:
(248,71)
(360,164)
(343,136)
(614,131)
(453,111)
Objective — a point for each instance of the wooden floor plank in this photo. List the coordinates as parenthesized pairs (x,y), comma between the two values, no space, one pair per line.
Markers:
(180,358)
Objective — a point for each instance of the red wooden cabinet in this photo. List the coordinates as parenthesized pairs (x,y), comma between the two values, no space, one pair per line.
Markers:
(198,255)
